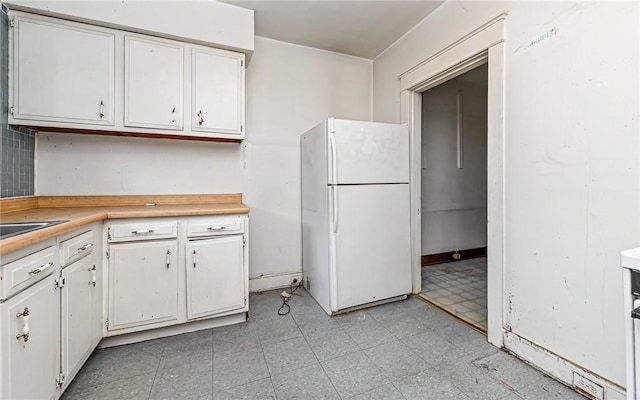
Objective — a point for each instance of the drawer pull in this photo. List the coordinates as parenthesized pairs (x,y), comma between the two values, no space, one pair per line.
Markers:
(85,247)
(139,231)
(217,228)
(42,268)
(24,316)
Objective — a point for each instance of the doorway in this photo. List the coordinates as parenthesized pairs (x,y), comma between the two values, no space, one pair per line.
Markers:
(454,196)
(482,45)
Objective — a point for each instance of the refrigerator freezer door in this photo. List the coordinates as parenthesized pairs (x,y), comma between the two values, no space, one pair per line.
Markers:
(367,152)
(372,244)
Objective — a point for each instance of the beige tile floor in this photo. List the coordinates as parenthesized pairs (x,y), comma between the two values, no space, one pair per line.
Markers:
(459,287)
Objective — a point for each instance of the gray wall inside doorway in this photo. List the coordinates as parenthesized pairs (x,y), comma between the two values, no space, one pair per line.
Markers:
(454,200)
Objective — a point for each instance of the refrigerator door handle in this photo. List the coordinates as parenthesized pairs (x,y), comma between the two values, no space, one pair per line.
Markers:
(334,156)
(334,175)
(334,208)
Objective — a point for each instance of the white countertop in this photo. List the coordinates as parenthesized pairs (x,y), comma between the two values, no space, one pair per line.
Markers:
(630,258)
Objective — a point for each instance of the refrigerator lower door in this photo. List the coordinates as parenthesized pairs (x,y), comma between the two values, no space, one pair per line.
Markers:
(371,245)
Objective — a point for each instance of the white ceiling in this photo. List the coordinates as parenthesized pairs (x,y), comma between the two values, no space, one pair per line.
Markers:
(359,28)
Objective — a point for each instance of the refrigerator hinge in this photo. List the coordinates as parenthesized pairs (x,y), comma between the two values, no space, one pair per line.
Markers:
(106,323)
(245,300)
(244,241)
(11,110)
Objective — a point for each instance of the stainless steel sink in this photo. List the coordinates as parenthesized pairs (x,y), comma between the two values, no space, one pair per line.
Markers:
(12,229)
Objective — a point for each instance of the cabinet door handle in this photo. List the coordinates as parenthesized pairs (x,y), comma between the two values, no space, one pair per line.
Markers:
(194,259)
(217,228)
(24,316)
(200,119)
(85,247)
(168,259)
(139,231)
(42,268)
(93,275)
(101,109)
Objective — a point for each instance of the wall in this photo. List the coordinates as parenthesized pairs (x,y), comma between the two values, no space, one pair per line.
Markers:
(454,200)
(571,173)
(289,89)
(17,144)
(181,20)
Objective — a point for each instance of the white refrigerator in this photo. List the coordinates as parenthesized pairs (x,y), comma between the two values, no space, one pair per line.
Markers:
(355,213)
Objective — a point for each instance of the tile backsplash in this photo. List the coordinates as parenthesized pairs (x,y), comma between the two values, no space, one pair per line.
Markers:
(17,144)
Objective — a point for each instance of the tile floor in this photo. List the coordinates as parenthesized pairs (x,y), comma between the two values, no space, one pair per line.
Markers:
(459,287)
(402,350)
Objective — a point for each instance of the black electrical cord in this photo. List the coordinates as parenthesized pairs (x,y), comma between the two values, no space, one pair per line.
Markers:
(285,299)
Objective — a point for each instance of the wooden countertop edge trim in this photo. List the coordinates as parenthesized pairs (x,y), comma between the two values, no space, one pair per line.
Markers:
(13,204)
(137,200)
(18,242)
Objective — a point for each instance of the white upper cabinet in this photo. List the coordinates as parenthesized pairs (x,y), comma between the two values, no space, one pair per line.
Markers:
(62,72)
(217,91)
(153,83)
(92,79)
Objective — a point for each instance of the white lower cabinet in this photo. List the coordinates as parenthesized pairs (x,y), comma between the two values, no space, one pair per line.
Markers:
(143,283)
(164,272)
(81,308)
(215,276)
(54,302)
(30,331)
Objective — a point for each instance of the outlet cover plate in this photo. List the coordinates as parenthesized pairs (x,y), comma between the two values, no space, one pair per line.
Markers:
(587,387)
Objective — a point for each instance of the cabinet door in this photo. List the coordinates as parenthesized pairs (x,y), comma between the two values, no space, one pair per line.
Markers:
(62,72)
(78,320)
(143,283)
(30,365)
(215,276)
(153,83)
(217,91)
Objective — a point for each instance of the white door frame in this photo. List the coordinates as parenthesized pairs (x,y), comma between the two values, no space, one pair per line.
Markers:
(484,44)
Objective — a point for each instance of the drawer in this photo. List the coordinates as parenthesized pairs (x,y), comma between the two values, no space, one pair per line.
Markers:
(215,227)
(141,230)
(75,248)
(24,272)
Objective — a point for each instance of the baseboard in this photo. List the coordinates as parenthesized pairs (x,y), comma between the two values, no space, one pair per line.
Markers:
(558,367)
(177,329)
(439,258)
(260,283)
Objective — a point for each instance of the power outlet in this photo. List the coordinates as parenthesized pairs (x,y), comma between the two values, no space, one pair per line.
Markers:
(587,387)
(295,282)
